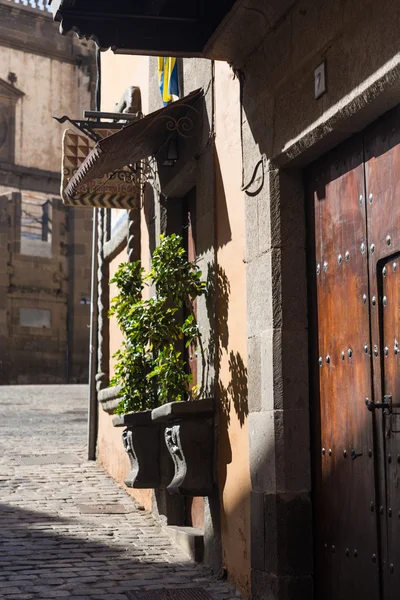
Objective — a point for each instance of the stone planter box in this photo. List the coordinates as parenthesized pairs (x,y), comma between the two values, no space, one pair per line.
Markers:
(109,399)
(151,466)
(189,438)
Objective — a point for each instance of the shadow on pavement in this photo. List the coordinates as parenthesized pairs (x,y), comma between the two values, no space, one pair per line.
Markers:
(47,556)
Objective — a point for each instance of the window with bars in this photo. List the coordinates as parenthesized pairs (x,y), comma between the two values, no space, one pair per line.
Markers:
(9,96)
(36,226)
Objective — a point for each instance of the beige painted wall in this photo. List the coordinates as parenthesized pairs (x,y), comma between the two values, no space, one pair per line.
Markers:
(51,88)
(118,73)
(113,458)
(234,475)
(116,337)
(110,451)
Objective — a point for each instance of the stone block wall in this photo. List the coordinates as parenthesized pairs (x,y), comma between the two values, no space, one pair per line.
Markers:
(56,75)
(281,516)
(45,75)
(79,248)
(45,338)
(283,129)
(4,250)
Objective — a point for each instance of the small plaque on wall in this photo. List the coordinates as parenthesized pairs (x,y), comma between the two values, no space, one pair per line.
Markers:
(320,80)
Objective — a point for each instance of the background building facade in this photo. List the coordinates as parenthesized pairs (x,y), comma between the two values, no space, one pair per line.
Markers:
(45,250)
(295,178)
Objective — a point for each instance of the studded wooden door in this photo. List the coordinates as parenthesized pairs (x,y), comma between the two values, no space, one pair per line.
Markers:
(355,193)
(382,178)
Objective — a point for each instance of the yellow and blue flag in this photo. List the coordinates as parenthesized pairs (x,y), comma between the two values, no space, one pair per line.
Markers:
(168,78)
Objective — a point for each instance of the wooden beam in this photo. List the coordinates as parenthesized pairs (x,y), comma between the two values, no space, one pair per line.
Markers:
(114,16)
(145,35)
(177,28)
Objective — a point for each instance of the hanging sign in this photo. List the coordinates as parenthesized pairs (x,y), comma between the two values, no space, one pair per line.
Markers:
(114,190)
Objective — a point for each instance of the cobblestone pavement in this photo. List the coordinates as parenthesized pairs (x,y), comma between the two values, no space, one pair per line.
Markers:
(48,549)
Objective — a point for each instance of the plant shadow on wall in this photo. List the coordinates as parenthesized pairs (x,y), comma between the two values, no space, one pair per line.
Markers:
(237,387)
(218,309)
(234,393)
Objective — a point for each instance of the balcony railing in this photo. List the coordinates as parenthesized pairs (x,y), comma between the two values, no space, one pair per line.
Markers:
(35,4)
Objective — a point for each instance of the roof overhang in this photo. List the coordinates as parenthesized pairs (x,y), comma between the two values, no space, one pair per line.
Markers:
(150,27)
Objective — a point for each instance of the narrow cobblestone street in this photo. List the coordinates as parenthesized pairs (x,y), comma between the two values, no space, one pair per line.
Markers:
(48,548)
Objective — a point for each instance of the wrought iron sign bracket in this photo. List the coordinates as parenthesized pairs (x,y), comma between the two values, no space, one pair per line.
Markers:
(88,127)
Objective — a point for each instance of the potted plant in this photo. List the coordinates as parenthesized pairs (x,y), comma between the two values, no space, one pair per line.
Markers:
(151,369)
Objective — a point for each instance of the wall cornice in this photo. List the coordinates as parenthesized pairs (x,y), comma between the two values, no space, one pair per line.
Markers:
(27,178)
(33,31)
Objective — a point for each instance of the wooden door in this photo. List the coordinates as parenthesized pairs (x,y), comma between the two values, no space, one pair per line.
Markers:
(354,193)
(382,169)
(344,481)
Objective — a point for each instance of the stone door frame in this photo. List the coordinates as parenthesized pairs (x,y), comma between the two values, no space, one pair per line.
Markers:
(279,342)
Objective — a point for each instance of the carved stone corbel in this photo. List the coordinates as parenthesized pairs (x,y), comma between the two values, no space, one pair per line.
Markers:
(109,398)
(189,435)
(146,450)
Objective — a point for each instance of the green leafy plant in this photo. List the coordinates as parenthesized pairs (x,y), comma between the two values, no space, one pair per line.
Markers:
(151,368)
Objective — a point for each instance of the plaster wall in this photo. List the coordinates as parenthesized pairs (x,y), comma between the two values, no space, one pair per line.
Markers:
(233,462)
(110,450)
(113,458)
(80,228)
(51,88)
(116,337)
(117,74)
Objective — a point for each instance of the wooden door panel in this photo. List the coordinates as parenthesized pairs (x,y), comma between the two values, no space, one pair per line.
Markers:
(390,274)
(356,196)
(344,488)
(382,156)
